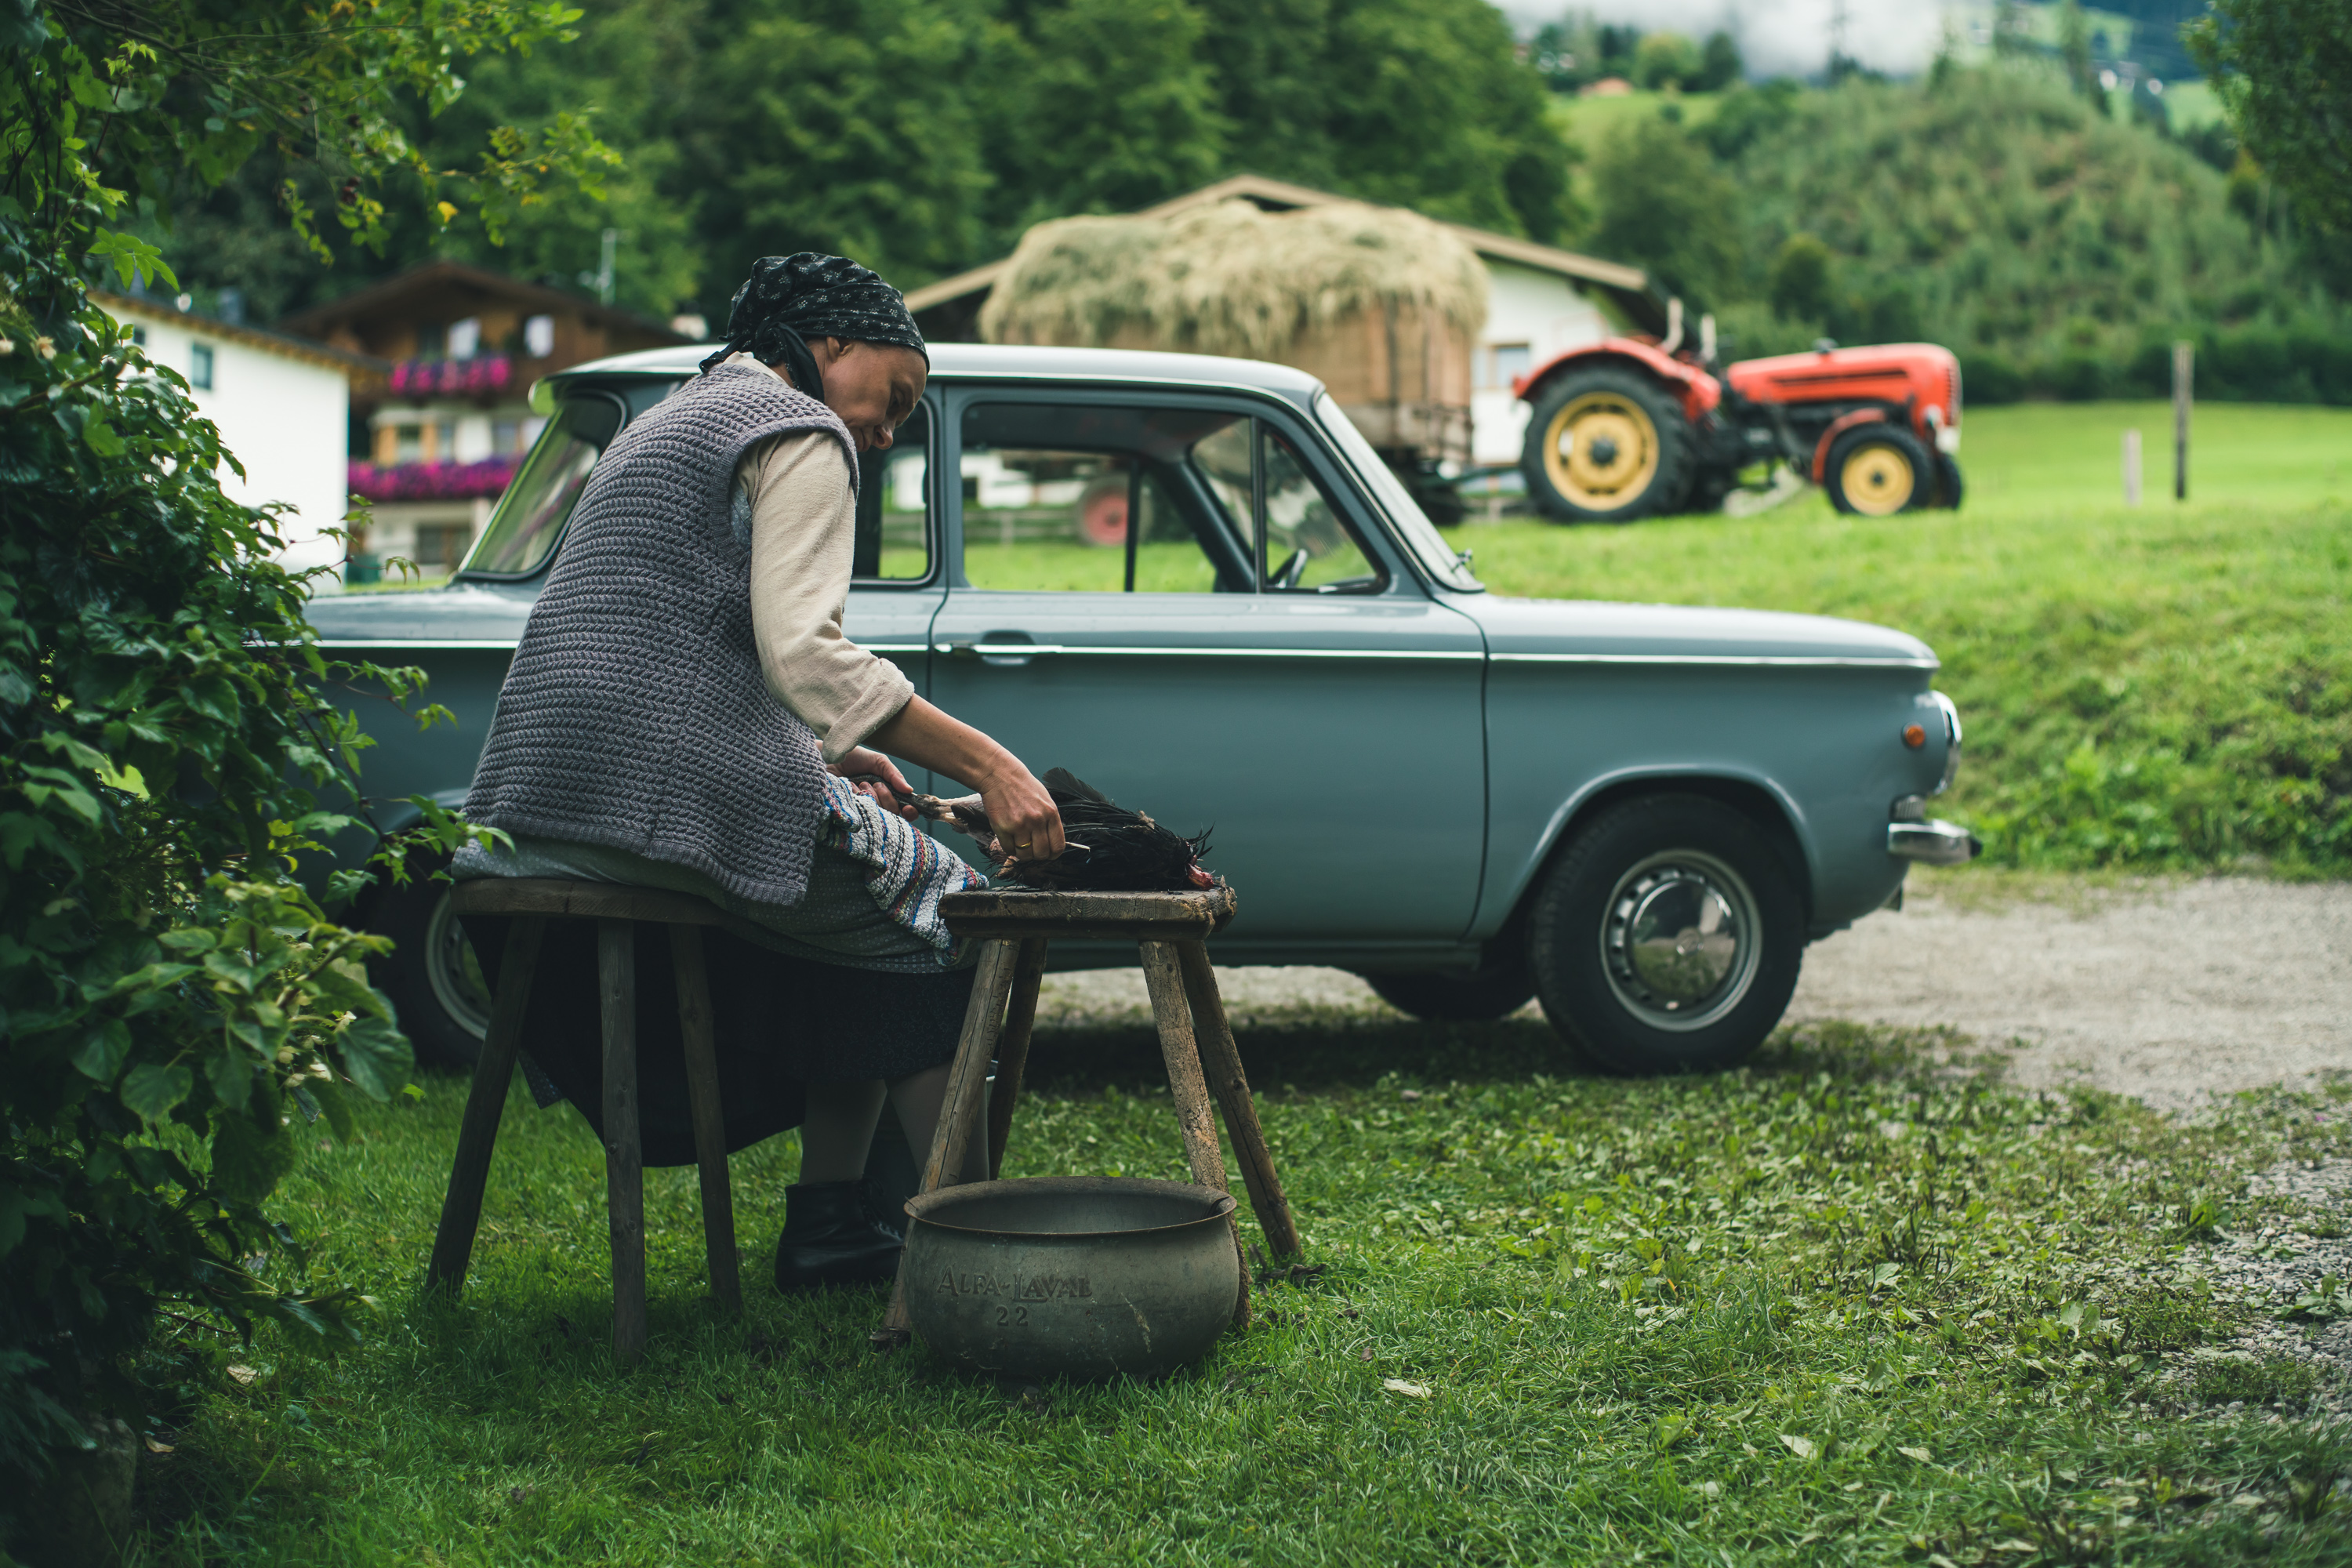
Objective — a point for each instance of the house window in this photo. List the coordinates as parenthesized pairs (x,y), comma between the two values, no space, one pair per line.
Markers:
(465,338)
(1499,364)
(137,335)
(408,444)
(445,443)
(505,437)
(432,338)
(441,545)
(538,336)
(200,367)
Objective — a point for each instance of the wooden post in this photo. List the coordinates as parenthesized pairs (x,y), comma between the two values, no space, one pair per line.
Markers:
(2183,371)
(485,1102)
(624,1195)
(960,1111)
(1163,977)
(694,1023)
(2131,468)
(1013,1046)
(1221,1061)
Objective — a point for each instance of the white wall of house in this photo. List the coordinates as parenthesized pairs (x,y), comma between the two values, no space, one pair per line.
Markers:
(1531,315)
(285,416)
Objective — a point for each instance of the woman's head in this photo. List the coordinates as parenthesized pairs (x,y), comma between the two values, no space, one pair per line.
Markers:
(839,331)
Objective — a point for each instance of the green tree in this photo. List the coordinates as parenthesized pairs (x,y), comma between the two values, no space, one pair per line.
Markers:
(2074,54)
(1800,285)
(2284,71)
(170,998)
(1719,63)
(1664,204)
(1666,60)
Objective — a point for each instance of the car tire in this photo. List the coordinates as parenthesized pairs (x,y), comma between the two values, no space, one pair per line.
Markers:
(430,974)
(1607,445)
(1879,469)
(1478,997)
(1667,937)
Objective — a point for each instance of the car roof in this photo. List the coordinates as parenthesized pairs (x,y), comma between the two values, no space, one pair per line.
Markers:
(994,360)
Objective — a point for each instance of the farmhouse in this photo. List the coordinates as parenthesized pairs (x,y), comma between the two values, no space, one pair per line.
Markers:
(282,404)
(432,443)
(1540,302)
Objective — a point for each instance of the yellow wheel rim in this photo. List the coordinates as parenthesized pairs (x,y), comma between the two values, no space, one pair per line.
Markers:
(1601,451)
(1878,479)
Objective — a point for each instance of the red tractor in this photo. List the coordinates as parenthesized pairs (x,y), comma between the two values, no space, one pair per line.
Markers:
(1635,426)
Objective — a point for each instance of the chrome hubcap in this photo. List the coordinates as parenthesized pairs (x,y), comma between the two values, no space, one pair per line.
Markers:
(455,976)
(1680,939)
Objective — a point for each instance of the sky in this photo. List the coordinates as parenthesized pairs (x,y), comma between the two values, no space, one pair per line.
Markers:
(1778,38)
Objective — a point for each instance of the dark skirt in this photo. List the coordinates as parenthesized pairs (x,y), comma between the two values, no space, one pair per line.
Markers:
(780,1022)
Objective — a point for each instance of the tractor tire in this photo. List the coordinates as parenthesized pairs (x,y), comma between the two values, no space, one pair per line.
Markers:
(1878,471)
(1607,445)
(1948,494)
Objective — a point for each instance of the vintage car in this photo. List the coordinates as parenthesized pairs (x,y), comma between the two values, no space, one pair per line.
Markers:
(1190,581)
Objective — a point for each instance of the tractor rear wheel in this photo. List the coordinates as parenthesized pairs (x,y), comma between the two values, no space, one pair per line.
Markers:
(1878,470)
(1607,445)
(1949,495)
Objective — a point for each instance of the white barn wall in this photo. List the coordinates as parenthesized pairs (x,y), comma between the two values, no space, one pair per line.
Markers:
(286,419)
(1543,311)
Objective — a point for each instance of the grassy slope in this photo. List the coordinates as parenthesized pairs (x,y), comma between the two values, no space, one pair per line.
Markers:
(1837,1308)
(2169,685)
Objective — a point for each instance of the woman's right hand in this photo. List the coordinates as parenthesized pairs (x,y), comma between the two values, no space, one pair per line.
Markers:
(1027,825)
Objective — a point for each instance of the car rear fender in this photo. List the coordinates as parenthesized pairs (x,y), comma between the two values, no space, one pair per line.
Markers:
(1758,798)
(1697,391)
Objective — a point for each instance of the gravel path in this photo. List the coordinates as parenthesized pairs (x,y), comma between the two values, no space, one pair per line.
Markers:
(2170,992)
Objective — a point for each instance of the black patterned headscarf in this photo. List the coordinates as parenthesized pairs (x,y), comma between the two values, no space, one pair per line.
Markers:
(788,300)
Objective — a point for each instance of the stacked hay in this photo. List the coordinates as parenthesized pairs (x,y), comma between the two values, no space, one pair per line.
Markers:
(1231,279)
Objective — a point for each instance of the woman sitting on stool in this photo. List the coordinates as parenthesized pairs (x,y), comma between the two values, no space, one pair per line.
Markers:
(684,709)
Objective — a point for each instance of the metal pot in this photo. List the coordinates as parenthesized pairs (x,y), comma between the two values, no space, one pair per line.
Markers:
(1084,1277)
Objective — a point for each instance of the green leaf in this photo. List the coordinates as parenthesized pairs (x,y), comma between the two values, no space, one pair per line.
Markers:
(131,257)
(150,1090)
(249,1159)
(189,939)
(376,1056)
(104,1051)
(231,1077)
(337,1109)
(344,984)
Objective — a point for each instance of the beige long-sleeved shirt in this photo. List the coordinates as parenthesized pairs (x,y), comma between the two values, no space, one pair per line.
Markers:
(803,522)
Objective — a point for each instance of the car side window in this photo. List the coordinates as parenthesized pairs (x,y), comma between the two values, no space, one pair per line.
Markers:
(894,506)
(1298,539)
(1094,497)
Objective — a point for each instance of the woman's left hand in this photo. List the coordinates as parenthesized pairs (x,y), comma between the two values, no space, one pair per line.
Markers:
(893,793)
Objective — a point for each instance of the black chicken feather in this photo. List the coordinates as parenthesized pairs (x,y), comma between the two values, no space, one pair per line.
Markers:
(1111,849)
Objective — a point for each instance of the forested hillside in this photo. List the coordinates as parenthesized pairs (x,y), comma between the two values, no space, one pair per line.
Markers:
(922,136)
(2057,251)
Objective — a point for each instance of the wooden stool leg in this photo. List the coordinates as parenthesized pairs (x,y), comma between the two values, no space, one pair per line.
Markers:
(1221,1061)
(1012,1048)
(960,1113)
(485,1102)
(624,1195)
(709,1120)
(1163,976)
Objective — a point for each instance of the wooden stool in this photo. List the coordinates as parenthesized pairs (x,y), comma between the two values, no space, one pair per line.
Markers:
(531,902)
(1172,930)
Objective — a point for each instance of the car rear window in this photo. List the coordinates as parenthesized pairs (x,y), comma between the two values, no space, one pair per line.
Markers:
(530,518)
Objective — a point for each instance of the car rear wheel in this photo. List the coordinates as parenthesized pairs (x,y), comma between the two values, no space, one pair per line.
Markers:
(1668,937)
(1878,470)
(1476,998)
(1606,446)
(431,974)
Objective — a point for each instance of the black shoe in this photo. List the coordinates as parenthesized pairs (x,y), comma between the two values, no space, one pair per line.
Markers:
(828,1239)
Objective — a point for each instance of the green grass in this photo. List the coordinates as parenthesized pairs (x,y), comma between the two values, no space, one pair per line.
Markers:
(1846,1305)
(2165,687)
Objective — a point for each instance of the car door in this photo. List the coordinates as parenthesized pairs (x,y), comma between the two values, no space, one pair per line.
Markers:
(899,571)
(1174,597)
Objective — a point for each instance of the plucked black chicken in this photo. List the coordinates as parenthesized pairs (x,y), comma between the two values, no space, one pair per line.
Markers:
(1111,849)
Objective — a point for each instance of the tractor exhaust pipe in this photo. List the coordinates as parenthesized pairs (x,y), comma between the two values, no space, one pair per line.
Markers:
(1706,339)
(1673,338)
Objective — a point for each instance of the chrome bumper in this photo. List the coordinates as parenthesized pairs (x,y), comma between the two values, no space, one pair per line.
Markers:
(1936,842)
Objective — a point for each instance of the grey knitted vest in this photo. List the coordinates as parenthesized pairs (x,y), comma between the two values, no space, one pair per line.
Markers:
(635,714)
